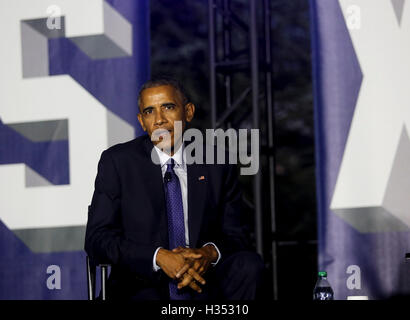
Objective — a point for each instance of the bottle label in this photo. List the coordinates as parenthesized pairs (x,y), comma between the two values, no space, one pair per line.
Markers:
(323,293)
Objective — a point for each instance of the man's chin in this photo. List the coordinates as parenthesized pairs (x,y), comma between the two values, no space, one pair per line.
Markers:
(164,145)
(168,147)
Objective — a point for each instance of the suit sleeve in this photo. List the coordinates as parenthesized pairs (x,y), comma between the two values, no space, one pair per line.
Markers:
(104,240)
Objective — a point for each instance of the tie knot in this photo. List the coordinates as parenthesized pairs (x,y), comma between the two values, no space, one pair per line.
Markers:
(170,165)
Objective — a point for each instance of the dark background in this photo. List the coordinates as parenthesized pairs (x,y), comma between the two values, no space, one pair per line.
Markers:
(179,47)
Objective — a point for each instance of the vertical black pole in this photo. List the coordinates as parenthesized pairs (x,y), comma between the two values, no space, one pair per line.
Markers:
(255,118)
(227,51)
(271,143)
(212,60)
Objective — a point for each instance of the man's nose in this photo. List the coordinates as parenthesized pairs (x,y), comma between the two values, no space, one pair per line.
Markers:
(159,118)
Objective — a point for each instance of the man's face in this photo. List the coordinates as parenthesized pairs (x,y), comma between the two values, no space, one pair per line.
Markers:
(160,108)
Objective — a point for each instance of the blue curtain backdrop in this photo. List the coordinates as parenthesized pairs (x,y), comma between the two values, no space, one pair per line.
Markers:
(363,233)
(108,68)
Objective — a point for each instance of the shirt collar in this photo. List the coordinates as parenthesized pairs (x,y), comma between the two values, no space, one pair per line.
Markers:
(178,157)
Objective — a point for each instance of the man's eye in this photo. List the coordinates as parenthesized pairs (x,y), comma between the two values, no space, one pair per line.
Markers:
(149,111)
(169,106)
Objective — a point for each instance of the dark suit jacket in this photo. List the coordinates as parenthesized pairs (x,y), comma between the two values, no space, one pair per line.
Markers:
(127,219)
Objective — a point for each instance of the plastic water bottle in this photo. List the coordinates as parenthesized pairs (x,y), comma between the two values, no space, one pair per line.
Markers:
(322,290)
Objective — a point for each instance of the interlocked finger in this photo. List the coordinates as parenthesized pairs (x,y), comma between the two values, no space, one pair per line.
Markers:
(195,287)
(196,276)
(183,270)
(187,279)
(192,284)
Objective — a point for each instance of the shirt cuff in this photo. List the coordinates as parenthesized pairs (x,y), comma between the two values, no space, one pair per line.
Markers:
(154,260)
(217,250)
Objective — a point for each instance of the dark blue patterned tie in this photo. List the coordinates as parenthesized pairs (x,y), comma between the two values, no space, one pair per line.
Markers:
(176,226)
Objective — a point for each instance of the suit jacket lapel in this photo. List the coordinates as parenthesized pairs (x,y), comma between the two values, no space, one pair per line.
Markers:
(152,176)
(197,192)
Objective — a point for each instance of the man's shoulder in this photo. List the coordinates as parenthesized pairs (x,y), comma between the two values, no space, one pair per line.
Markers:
(133,146)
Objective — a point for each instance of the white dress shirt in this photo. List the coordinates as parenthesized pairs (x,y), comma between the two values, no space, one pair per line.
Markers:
(180,170)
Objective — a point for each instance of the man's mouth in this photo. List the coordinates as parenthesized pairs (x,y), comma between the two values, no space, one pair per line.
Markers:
(161,134)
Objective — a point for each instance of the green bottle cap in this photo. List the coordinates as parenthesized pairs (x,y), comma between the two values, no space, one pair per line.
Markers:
(322,274)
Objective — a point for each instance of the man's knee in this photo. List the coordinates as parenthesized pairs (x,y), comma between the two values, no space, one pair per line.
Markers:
(241,276)
(249,264)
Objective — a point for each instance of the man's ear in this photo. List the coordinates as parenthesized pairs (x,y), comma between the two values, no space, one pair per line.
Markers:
(189,111)
(140,121)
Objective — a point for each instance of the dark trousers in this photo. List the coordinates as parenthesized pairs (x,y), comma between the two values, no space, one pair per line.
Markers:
(238,277)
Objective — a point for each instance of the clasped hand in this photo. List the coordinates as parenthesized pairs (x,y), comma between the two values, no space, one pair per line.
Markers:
(187,264)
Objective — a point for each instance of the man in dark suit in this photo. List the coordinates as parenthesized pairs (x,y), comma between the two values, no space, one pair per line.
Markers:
(170,230)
